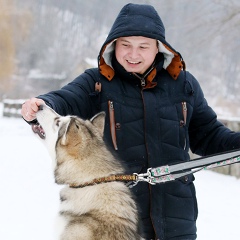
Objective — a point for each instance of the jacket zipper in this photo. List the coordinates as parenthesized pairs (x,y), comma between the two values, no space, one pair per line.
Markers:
(112,124)
(149,185)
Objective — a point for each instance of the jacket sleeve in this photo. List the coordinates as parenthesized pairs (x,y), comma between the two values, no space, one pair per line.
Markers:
(74,98)
(207,135)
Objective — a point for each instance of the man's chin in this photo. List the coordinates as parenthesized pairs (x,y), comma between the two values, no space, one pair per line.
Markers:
(134,69)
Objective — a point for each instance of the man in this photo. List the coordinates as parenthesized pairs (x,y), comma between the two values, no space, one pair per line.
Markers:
(155,112)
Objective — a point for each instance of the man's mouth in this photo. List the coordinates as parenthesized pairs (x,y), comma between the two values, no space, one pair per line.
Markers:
(37,128)
(132,62)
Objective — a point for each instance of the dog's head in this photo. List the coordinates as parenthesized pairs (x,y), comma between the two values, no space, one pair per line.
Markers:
(76,146)
(68,132)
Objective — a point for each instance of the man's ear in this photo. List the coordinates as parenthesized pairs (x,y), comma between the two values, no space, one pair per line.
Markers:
(99,121)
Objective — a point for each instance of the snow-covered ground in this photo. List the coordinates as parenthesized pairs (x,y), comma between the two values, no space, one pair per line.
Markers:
(29,196)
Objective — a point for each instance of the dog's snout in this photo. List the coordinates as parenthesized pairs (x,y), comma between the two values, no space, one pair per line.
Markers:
(40,107)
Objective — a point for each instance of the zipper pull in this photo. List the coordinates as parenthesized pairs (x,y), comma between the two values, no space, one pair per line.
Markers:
(143,82)
(111,105)
(184,109)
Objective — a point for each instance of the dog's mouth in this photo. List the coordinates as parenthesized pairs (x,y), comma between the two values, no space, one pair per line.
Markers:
(37,128)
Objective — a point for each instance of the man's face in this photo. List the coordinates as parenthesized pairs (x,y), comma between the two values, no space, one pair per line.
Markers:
(136,54)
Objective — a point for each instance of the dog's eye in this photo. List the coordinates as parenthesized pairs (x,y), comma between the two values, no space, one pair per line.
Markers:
(57,122)
(77,126)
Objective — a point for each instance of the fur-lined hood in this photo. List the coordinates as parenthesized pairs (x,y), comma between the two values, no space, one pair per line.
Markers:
(139,20)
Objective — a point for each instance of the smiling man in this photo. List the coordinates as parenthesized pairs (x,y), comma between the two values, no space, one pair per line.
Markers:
(155,112)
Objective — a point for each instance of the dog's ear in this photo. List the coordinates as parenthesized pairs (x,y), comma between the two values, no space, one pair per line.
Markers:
(99,121)
(63,132)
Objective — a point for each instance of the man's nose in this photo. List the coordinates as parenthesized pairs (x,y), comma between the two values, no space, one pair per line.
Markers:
(134,52)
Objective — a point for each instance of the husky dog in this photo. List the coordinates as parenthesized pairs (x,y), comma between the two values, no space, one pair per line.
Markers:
(91,208)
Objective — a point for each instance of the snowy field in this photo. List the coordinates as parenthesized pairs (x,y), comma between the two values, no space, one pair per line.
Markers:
(29,196)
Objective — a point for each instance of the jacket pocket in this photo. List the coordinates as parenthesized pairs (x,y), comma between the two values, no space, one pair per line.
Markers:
(188,180)
(180,199)
(183,125)
(112,124)
(194,201)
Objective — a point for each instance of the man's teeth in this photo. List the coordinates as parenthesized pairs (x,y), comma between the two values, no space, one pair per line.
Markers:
(133,62)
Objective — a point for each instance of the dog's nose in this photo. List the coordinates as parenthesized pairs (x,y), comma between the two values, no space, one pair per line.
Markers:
(40,107)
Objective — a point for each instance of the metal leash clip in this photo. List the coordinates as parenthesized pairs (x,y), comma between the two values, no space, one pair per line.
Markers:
(143,177)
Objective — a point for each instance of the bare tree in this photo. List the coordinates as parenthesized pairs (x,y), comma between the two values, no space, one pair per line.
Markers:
(14,25)
(57,36)
(7,48)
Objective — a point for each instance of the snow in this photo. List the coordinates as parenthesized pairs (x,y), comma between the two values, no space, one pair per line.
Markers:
(30,200)
(37,74)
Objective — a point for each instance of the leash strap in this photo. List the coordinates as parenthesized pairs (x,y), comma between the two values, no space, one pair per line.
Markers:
(111,178)
(169,173)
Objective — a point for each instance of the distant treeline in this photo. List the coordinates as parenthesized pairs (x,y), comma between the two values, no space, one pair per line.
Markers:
(55,37)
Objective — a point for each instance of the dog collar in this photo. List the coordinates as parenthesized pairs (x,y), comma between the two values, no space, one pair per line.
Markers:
(112,178)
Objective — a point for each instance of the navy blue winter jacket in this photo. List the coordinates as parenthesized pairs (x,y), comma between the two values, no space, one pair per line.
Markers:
(151,125)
